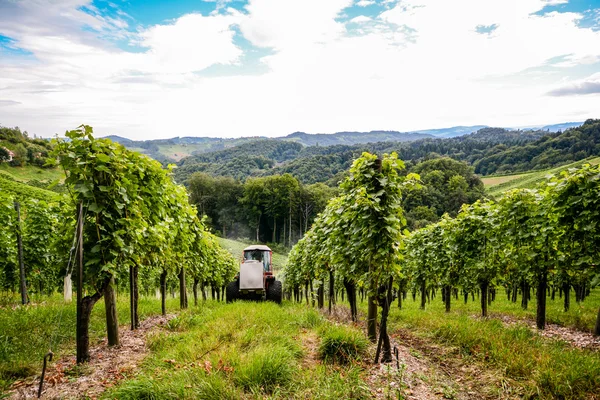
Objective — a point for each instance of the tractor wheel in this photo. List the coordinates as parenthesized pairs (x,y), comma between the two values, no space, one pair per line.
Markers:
(232,292)
(274,292)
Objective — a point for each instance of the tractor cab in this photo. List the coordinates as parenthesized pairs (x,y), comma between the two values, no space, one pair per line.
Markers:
(259,253)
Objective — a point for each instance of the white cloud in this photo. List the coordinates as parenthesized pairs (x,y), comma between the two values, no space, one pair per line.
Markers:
(365,3)
(361,19)
(283,24)
(192,43)
(412,67)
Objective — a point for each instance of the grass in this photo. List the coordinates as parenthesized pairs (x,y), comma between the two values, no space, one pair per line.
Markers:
(30,172)
(236,247)
(27,332)
(240,350)
(542,368)
(262,350)
(342,344)
(496,185)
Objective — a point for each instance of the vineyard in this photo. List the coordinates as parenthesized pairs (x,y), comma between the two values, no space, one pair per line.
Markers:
(128,234)
(124,220)
(544,240)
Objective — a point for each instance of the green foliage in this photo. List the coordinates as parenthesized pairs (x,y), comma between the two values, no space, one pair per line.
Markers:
(529,236)
(551,150)
(24,192)
(25,150)
(359,234)
(265,204)
(447,185)
(136,214)
(247,159)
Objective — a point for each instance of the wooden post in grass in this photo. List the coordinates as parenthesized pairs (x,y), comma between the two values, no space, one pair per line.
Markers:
(20,255)
(331,290)
(81,347)
(112,322)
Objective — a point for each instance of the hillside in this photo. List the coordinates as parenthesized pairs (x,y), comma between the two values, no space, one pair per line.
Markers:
(496,185)
(175,149)
(18,149)
(178,148)
(351,138)
(23,191)
(324,163)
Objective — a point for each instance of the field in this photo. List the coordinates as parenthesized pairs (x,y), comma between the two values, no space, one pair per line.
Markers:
(179,151)
(496,185)
(260,350)
(30,172)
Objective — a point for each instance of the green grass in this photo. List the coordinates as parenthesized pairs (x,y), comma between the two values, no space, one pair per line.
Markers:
(541,367)
(240,350)
(342,344)
(236,247)
(30,172)
(26,332)
(496,185)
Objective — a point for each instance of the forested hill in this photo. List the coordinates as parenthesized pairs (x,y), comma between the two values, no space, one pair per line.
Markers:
(489,151)
(351,138)
(175,149)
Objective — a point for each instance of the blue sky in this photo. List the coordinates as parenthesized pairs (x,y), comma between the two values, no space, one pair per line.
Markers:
(149,69)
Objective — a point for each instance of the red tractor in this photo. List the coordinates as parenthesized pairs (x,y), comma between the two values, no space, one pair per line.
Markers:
(255,281)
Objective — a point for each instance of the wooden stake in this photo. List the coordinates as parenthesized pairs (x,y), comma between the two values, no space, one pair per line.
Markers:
(20,254)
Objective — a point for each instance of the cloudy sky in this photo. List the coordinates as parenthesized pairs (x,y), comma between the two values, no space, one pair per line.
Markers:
(148,69)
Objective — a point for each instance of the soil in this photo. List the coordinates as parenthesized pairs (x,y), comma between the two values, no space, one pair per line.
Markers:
(422,370)
(573,337)
(108,365)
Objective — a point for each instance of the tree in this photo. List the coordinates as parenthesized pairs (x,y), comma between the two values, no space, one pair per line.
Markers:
(202,189)
(254,202)
(4,154)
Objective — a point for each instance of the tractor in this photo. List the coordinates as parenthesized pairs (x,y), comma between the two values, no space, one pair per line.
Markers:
(255,281)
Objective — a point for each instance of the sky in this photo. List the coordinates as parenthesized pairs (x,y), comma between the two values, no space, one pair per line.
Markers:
(147,69)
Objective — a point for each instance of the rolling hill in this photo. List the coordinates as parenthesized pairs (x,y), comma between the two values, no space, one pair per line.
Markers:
(178,148)
(496,185)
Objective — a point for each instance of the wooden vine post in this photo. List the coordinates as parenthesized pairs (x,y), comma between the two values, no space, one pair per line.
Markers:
(82,343)
(23,283)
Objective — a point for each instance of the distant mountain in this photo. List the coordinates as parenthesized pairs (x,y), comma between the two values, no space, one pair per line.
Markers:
(553,128)
(352,138)
(452,132)
(124,141)
(178,148)
(561,127)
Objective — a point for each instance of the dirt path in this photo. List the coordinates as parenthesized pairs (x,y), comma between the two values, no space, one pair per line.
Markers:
(574,337)
(424,371)
(65,380)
